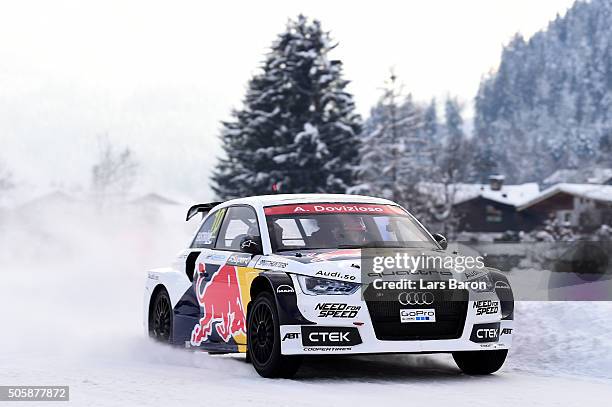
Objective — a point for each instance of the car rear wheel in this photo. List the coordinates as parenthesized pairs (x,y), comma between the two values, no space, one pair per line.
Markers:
(263,341)
(160,317)
(480,362)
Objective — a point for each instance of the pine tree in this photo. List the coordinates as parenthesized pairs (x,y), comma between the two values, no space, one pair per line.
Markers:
(454,163)
(431,139)
(393,154)
(484,162)
(454,121)
(456,149)
(298,128)
(486,153)
(430,121)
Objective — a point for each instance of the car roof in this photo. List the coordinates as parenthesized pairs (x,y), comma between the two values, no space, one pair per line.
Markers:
(282,199)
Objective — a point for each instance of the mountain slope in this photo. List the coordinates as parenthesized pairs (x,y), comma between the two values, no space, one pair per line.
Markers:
(549,104)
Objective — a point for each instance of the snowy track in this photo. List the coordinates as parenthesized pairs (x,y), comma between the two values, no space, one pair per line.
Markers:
(70,301)
(148,375)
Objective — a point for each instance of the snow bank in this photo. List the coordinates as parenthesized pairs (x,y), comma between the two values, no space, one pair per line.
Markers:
(563,338)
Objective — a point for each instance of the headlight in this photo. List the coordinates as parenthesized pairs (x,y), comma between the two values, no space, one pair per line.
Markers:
(324,286)
(485,278)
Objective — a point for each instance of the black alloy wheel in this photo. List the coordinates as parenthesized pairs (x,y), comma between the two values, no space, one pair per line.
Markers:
(263,340)
(261,333)
(160,320)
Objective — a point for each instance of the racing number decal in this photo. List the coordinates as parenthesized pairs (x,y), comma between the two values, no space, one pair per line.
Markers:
(217,222)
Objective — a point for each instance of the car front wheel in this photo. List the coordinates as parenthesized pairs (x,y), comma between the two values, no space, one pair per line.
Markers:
(480,362)
(263,341)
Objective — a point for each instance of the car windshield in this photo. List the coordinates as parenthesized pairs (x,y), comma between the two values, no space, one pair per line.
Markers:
(332,226)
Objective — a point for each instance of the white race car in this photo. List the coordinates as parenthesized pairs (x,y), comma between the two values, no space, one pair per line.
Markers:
(283,276)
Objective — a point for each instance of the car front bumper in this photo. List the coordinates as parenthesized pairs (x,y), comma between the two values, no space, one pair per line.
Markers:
(346,324)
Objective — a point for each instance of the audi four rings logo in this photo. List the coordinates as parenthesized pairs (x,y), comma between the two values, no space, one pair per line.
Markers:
(416,298)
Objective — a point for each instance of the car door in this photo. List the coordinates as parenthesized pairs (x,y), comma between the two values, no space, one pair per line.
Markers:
(187,312)
(223,275)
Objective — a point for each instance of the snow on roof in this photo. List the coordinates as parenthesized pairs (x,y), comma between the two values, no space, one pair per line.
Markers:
(514,195)
(55,197)
(601,193)
(594,175)
(280,199)
(599,175)
(154,199)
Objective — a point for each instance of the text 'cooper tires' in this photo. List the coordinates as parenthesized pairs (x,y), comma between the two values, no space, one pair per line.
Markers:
(480,362)
(160,317)
(263,341)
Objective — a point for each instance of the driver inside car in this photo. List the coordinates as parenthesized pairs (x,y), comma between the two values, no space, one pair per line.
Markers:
(351,230)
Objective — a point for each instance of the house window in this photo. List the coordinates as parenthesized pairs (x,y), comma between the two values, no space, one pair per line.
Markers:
(567,217)
(492,214)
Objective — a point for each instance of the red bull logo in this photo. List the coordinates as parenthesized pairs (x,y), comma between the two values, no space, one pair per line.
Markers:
(220,299)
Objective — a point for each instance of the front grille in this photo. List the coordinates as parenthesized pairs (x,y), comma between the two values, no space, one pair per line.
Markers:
(451,309)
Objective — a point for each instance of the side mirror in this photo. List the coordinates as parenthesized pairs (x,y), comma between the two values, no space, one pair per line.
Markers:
(251,245)
(441,240)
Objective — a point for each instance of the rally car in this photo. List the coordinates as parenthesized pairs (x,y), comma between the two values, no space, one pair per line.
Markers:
(279,277)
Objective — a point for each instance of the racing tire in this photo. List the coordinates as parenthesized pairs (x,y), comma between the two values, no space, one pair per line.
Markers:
(161,318)
(263,340)
(480,362)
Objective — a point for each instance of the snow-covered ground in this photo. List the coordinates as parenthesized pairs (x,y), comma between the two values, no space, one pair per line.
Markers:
(70,296)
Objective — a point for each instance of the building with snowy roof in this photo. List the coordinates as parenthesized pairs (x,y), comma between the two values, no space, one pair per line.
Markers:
(573,205)
(493,207)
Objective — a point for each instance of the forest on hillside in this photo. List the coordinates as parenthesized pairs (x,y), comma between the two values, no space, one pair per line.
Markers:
(549,104)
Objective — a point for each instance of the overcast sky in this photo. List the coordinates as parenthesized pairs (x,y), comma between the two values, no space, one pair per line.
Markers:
(159,76)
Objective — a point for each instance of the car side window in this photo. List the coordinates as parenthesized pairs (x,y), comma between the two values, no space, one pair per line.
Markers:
(206,236)
(291,232)
(286,233)
(240,222)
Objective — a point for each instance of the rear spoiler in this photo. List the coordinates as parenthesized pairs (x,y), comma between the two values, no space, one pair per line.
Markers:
(201,208)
